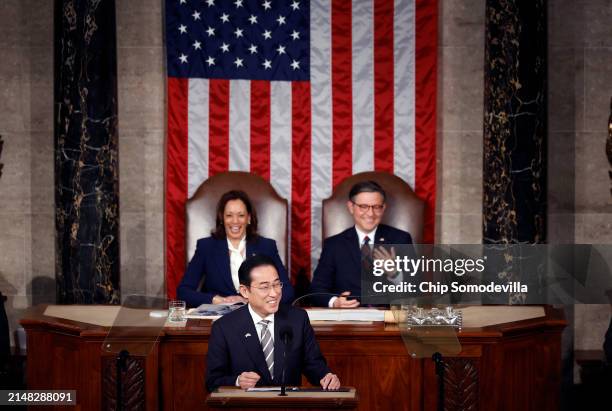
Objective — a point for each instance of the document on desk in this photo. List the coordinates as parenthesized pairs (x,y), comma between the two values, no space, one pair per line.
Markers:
(266,389)
(339,314)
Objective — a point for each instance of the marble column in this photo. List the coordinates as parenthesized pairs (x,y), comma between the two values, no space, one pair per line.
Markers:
(86,152)
(514,171)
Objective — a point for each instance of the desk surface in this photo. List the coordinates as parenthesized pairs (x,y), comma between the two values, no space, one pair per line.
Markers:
(475,318)
(232,397)
(512,364)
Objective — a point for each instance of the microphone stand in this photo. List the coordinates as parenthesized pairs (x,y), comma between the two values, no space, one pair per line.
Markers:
(283,392)
(286,336)
(437,358)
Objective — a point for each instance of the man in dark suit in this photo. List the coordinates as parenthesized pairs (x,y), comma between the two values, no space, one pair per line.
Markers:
(339,268)
(246,346)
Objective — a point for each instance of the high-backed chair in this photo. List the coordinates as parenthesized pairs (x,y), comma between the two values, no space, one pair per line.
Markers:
(404,209)
(271,209)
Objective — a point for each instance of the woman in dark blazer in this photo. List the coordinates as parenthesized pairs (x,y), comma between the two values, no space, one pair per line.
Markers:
(218,257)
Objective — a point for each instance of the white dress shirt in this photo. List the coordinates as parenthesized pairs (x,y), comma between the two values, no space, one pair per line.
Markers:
(237,256)
(256,319)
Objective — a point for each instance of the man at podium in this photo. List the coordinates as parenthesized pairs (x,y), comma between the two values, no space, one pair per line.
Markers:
(258,343)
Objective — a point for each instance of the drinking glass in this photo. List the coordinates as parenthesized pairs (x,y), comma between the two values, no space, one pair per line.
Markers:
(176,310)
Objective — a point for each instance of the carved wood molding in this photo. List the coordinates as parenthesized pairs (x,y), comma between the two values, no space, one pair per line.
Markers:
(133,384)
(460,384)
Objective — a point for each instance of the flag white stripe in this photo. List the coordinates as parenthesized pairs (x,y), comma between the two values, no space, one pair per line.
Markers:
(363,86)
(197,141)
(404,83)
(280,137)
(321,117)
(280,148)
(240,125)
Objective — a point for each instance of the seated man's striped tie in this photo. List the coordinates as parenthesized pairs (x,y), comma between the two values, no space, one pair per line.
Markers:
(267,345)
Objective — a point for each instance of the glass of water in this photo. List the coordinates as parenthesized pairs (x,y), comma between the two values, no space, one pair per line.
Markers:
(176,310)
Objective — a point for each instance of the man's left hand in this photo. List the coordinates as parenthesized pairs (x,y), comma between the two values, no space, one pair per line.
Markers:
(383,253)
(330,382)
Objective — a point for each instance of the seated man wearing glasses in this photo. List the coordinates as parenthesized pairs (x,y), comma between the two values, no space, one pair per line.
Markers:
(339,268)
(253,345)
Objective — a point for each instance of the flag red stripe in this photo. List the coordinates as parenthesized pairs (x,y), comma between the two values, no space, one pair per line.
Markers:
(176,181)
(300,178)
(218,127)
(425,110)
(342,91)
(260,128)
(383,85)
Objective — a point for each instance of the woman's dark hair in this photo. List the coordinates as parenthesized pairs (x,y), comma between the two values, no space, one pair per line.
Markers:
(251,230)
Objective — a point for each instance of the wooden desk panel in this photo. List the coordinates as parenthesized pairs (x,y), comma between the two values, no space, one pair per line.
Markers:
(513,366)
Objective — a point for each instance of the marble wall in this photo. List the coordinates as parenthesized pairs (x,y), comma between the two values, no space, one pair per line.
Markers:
(580,88)
(142,120)
(460,121)
(27,255)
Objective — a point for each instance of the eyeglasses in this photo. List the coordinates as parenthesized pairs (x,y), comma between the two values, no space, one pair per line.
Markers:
(377,208)
(266,288)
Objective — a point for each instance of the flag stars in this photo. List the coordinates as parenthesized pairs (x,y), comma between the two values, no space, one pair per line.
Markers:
(267,64)
(238,3)
(183,29)
(196,15)
(238,62)
(238,32)
(281,20)
(183,58)
(267,4)
(253,19)
(182,1)
(224,47)
(295,64)
(224,18)
(210,3)
(295,6)
(197,45)
(253,49)
(210,31)
(295,35)
(281,49)
(210,61)
(267,34)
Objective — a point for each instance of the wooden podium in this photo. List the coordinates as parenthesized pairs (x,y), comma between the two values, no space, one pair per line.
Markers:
(514,364)
(236,399)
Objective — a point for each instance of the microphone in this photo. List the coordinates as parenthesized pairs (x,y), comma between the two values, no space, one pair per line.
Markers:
(286,335)
(322,294)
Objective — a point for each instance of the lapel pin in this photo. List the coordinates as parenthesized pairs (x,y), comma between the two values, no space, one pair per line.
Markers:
(247,335)
(382,239)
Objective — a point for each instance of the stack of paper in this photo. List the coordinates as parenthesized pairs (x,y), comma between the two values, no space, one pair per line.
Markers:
(354,314)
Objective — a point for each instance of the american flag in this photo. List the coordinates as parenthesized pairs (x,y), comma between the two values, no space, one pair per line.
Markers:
(302,93)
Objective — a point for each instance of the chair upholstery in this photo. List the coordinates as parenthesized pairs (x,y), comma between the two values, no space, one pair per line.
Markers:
(404,209)
(271,209)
